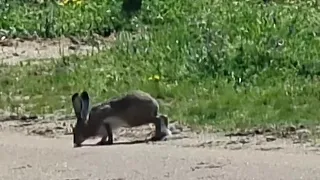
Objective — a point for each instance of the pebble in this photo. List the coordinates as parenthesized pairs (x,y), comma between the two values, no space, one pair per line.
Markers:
(270,138)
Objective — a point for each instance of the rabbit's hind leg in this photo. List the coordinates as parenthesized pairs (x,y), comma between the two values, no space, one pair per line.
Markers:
(161,128)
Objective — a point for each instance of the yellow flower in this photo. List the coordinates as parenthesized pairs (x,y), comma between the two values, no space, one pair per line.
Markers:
(63,2)
(78,2)
(154,77)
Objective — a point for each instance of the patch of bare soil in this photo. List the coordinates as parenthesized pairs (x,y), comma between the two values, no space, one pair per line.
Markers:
(41,148)
(14,51)
(54,126)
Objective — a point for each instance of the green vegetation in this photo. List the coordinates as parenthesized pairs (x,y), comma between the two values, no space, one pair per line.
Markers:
(227,63)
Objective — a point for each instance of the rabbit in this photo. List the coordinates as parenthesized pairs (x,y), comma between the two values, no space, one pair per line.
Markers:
(130,110)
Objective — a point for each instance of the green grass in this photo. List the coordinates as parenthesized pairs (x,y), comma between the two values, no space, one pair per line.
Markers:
(231,64)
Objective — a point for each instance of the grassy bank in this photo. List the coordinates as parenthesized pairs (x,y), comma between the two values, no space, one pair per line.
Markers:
(227,63)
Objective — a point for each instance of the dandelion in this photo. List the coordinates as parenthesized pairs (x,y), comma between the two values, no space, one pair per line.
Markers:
(63,2)
(77,2)
(154,78)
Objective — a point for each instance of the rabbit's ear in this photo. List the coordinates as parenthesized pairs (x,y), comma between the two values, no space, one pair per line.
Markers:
(85,102)
(76,102)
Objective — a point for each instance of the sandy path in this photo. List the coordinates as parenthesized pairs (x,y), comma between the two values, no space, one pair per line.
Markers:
(35,157)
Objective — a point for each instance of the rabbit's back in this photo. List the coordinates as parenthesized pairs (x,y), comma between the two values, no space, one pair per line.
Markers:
(132,109)
(136,108)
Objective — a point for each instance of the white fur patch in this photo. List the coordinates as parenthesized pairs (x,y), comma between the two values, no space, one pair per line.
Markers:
(116,122)
(168,132)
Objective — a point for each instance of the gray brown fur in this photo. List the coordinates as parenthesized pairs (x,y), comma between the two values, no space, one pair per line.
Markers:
(133,109)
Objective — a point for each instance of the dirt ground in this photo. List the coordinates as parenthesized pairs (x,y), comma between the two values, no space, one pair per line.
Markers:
(14,51)
(42,148)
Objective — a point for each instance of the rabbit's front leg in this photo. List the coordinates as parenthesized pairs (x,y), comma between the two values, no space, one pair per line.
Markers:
(108,135)
(103,141)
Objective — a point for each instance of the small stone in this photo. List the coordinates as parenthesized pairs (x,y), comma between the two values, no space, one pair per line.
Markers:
(174,129)
(13,117)
(58,127)
(179,127)
(231,142)
(303,134)
(244,140)
(234,147)
(74,40)
(219,142)
(72,47)
(42,131)
(25,117)
(19,40)
(258,131)
(291,128)
(270,138)
(206,144)
(33,117)
(268,130)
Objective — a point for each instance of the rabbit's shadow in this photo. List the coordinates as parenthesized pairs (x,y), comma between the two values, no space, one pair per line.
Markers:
(121,143)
